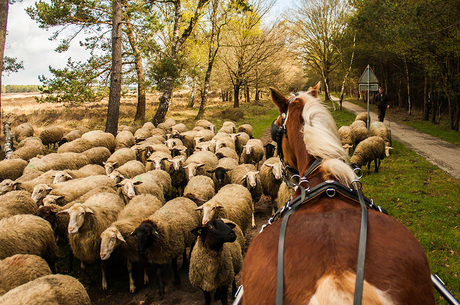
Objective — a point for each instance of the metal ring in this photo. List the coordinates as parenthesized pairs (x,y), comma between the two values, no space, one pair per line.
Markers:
(296,176)
(358,184)
(358,172)
(330,192)
(303,180)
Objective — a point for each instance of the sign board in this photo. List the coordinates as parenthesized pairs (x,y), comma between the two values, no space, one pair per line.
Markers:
(368,87)
(368,77)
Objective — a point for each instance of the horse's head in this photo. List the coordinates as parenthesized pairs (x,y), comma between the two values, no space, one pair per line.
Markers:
(305,131)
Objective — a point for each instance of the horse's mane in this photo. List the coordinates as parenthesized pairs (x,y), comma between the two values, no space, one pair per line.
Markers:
(322,140)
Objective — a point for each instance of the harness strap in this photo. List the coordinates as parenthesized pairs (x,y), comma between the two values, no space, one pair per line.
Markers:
(359,284)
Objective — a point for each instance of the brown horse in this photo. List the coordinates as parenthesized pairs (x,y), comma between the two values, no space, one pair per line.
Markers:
(321,242)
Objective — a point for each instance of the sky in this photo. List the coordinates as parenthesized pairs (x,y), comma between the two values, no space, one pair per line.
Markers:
(26,42)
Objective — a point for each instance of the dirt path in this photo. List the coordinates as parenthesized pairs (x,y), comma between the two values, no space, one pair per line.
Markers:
(439,152)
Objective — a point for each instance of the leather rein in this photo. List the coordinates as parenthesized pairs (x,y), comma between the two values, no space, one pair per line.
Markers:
(330,188)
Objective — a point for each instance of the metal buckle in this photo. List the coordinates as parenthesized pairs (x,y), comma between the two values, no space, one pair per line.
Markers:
(330,192)
(358,172)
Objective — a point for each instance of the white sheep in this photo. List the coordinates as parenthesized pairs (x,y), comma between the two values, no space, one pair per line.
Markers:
(97,155)
(284,194)
(205,124)
(23,131)
(200,163)
(86,223)
(78,145)
(240,139)
(216,259)
(270,178)
(159,160)
(224,140)
(148,183)
(362,116)
(246,128)
(16,202)
(253,152)
(70,136)
(118,234)
(227,152)
(248,176)
(12,168)
(200,189)
(206,146)
(48,289)
(163,236)
(232,202)
(8,185)
(124,139)
(28,148)
(359,132)
(178,128)
(368,150)
(100,138)
(85,171)
(58,161)
(118,158)
(381,130)
(202,136)
(128,170)
(51,135)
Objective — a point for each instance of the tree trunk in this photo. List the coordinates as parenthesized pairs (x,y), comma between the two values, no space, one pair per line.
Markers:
(246,94)
(191,101)
(204,92)
(165,102)
(141,91)
(427,100)
(342,89)
(113,111)
(8,148)
(236,95)
(409,103)
(3,23)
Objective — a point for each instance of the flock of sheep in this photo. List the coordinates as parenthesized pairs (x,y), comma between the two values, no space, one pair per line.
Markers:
(151,193)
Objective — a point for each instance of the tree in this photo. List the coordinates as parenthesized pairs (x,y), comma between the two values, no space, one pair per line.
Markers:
(3,23)
(317,27)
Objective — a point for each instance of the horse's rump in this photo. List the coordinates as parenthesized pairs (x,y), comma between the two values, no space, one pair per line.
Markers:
(321,249)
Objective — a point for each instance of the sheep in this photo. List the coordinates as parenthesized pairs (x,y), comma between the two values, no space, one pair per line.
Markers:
(124,139)
(200,163)
(23,131)
(224,140)
(202,136)
(68,160)
(179,150)
(227,152)
(28,234)
(86,223)
(206,146)
(166,125)
(123,127)
(72,189)
(45,178)
(232,202)
(12,168)
(100,138)
(205,124)
(141,134)
(145,149)
(78,145)
(345,135)
(216,259)
(381,130)
(187,138)
(248,176)
(39,193)
(28,148)
(8,185)
(30,175)
(128,170)
(159,161)
(284,194)
(16,202)
(247,128)
(200,189)
(148,125)
(118,234)
(271,150)
(20,269)
(178,128)
(119,158)
(163,236)
(145,183)
(70,136)
(362,116)
(240,140)
(270,178)
(85,171)
(221,174)
(177,173)
(49,289)
(253,151)
(51,135)
(359,131)
(97,155)
(228,127)
(370,149)
(173,142)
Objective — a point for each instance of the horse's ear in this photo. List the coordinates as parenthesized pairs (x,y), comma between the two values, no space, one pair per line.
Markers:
(279,99)
(314,91)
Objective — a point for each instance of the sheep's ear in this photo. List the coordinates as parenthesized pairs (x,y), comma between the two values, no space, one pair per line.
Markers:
(219,206)
(114,163)
(269,164)
(200,208)
(155,233)
(63,211)
(133,233)
(88,210)
(198,231)
(137,182)
(120,237)
(211,171)
(200,165)
(48,188)
(230,224)
(16,185)
(185,166)
(244,177)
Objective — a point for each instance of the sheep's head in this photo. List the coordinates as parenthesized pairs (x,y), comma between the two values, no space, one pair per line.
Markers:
(158,162)
(40,191)
(210,210)
(248,148)
(215,233)
(8,185)
(176,162)
(191,169)
(250,178)
(77,214)
(277,169)
(109,167)
(110,239)
(116,176)
(61,176)
(51,199)
(220,173)
(145,234)
(128,187)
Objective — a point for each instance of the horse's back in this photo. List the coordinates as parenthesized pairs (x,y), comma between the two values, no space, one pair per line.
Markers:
(321,249)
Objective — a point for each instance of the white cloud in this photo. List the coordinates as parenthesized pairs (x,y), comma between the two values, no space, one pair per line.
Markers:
(31,45)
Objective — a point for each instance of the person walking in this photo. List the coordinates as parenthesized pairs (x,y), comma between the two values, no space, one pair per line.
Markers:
(381,100)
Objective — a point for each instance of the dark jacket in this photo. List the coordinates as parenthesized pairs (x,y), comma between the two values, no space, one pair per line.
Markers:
(381,99)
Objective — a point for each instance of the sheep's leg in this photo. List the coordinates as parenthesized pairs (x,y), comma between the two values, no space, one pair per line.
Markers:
(132,287)
(70,261)
(104,278)
(161,286)
(234,288)
(176,273)
(184,259)
(146,276)
(253,219)
(207,298)
(377,165)
(221,294)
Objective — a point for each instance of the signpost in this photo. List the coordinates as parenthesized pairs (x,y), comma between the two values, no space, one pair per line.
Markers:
(368,82)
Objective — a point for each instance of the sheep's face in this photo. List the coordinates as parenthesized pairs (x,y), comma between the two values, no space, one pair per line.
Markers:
(209,211)
(40,192)
(109,167)
(191,169)
(176,163)
(145,234)
(276,171)
(248,148)
(7,185)
(250,178)
(51,199)
(221,174)
(109,241)
(127,187)
(61,176)
(77,215)
(116,176)
(215,233)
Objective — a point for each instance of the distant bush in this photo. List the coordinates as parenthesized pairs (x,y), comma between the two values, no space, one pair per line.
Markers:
(19,88)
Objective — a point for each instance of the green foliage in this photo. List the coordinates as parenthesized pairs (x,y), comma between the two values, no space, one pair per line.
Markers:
(19,88)
(164,69)
(10,65)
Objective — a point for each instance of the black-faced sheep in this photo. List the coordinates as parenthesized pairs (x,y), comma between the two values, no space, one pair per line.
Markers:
(248,176)
(19,269)
(28,234)
(86,223)
(178,175)
(200,163)
(221,175)
(16,202)
(49,289)
(270,178)
(118,158)
(23,131)
(216,259)
(200,189)
(12,168)
(163,236)
(232,202)
(141,134)
(270,150)
(368,150)
(253,152)
(227,152)
(118,234)
(51,135)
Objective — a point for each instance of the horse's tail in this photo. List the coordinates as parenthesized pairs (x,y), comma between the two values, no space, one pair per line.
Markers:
(339,289)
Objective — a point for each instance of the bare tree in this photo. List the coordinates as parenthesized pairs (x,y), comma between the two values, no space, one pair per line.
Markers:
(3,22)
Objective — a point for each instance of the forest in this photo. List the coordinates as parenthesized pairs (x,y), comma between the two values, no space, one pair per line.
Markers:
(234,48)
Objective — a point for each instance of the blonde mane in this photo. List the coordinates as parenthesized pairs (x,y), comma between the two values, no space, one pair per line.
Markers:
(322,140)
